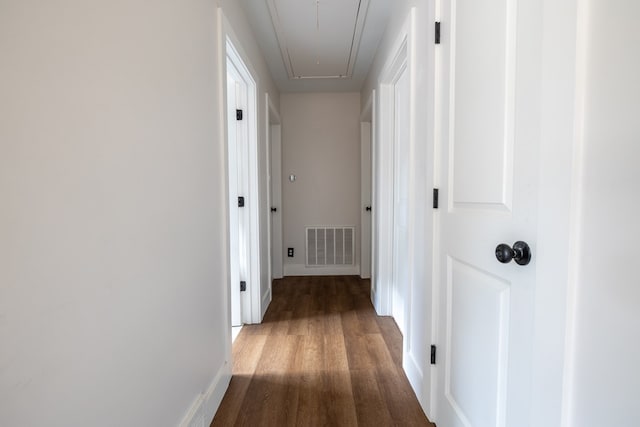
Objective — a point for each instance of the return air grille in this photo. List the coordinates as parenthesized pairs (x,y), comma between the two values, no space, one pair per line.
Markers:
(330,245)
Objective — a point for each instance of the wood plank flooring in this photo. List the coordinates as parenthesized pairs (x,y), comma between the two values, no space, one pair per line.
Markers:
(321,357)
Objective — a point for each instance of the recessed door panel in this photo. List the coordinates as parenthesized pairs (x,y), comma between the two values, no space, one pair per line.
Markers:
(478,318)
(482,116)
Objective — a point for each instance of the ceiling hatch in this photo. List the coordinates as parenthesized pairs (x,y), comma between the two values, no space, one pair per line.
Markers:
(318,39)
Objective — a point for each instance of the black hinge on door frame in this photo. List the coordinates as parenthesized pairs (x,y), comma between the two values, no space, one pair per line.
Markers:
(243,286)
(238,114)
(433,354)
(436,196)
(241,202)
(437,33)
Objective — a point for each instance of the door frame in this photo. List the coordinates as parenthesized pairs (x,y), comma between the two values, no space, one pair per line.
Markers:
(367,127)
(384,177)
(237,170)
(232,51)
(274,196)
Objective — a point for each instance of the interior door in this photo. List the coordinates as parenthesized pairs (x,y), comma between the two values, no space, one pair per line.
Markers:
(239,220)
(234,210)
(401,237)
(365,200)
(490,126)
(276,201)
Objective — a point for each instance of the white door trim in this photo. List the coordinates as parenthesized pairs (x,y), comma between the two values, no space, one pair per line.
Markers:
(564,65)
(252,312)
(383,154)
(274,197)
(368,115)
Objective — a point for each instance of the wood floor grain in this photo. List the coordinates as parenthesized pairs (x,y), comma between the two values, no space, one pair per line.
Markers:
(321,357)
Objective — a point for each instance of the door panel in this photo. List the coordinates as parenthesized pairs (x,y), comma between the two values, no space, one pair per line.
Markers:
(478,319)
(482,66)
(490,122)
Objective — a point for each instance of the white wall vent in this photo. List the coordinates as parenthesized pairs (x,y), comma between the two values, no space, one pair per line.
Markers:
(329,245)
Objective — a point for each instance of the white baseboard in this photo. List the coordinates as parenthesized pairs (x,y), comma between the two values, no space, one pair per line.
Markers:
(266,300)
(329,270)
(374,298)
(206,404)
(414,375)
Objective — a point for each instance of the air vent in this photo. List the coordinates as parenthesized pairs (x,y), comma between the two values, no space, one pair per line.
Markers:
(329,245)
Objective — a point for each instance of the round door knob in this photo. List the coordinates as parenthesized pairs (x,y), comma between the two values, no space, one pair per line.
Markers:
(274,209)
(368,208)
(520,252)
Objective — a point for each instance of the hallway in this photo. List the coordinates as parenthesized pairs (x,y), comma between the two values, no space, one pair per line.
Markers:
(321,357)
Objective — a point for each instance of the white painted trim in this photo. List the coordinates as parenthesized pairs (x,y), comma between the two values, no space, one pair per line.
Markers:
(234,51)
(414,374)
(274,114)
(266,300)
(206,404)
(415,361)
(267,207)
(374,244)
(332,270)
(274,137)
(366,113)
(384,177)
(564,53)
(374,297)
(575,215)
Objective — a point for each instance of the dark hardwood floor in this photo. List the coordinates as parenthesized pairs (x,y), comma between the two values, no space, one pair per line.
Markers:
(321,357)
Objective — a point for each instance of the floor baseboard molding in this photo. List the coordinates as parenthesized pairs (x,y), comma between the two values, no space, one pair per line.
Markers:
(332,270)
(206,404)
(266,300)
(415,376)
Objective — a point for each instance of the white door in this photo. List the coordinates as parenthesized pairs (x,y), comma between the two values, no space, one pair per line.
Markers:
(234,190)
(239,220)
(490,127)
(276,201)
(365,200)
(401,237)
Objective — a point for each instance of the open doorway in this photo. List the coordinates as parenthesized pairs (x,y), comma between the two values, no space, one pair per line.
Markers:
(274,196)
(366,203)
(391,221)
(244,267)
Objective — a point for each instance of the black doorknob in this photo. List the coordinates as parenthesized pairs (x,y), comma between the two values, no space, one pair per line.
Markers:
(368,208)
(274,209)
(521,253)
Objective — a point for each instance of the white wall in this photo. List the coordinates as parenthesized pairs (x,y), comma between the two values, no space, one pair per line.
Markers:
(321,146)
(112,247)
(421,46)
(606,378)
(244,39)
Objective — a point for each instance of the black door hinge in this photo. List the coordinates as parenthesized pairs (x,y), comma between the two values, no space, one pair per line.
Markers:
(243,286)
(238,114)
(437,34)
(436,196)
(241,202)
(433,354)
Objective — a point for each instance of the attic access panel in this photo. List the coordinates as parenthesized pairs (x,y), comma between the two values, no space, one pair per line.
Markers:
(318,38)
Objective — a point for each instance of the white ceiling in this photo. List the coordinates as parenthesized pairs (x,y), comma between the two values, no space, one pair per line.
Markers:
(318,45)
